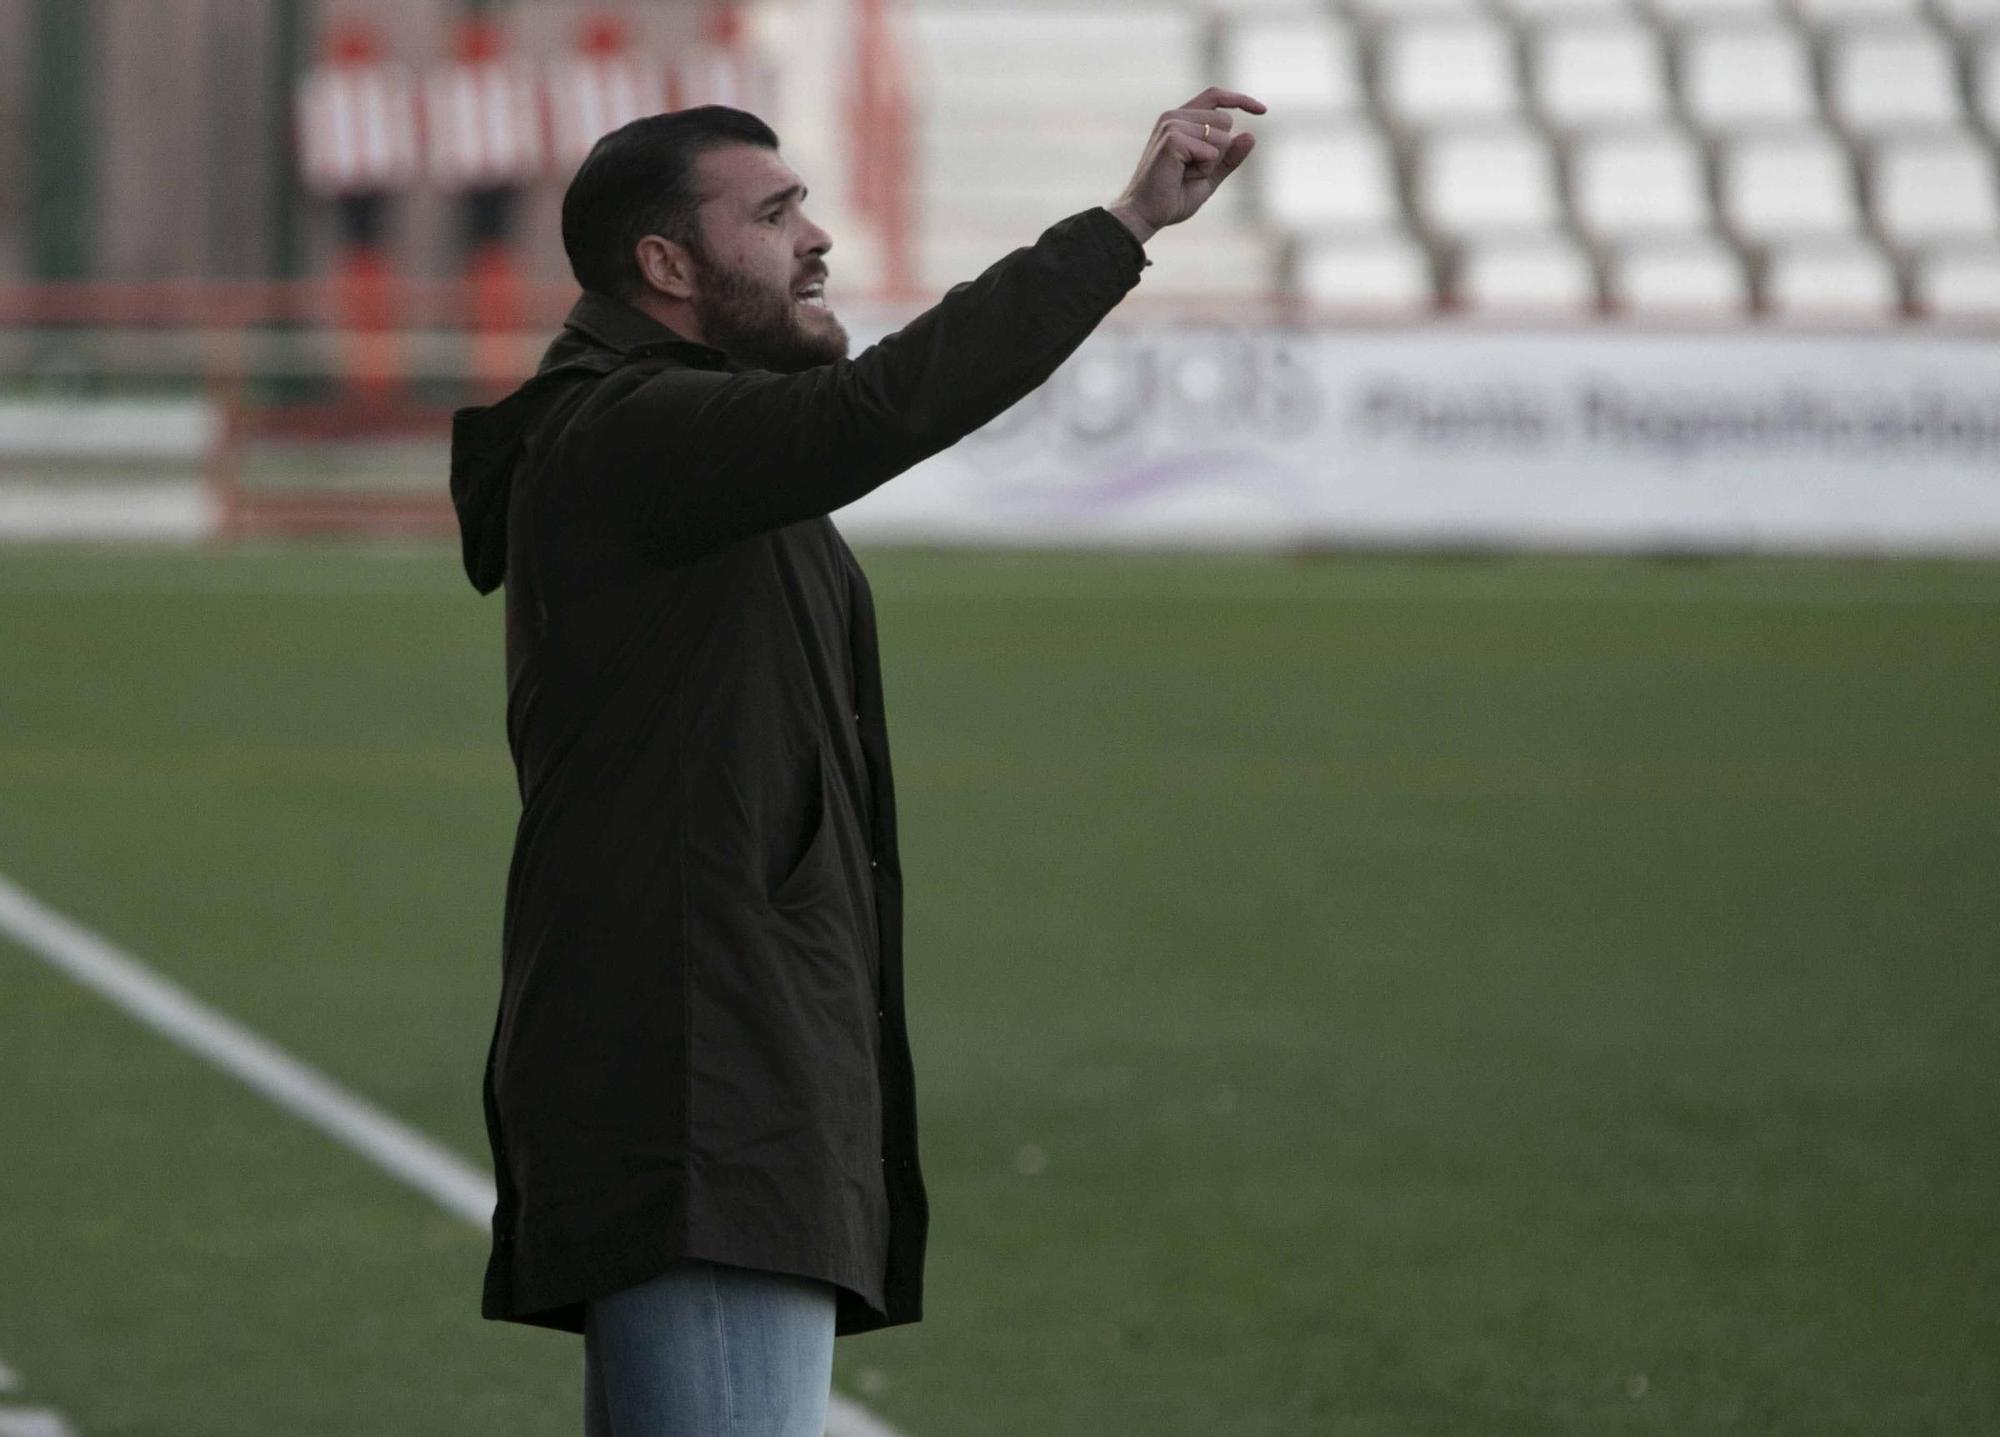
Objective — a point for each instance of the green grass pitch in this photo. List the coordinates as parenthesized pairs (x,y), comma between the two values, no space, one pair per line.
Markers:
(1354,997)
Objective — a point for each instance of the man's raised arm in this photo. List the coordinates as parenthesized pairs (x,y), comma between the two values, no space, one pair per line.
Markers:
(722,456)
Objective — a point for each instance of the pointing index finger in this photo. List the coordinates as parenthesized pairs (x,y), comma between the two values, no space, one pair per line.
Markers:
(1215,96)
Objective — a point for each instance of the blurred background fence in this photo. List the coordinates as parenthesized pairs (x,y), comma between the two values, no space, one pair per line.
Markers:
(1625,273)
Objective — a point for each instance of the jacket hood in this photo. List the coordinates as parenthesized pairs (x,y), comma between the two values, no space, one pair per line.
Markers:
(488,441)
(487,444)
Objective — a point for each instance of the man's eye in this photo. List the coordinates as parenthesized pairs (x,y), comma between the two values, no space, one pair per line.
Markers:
(772,217)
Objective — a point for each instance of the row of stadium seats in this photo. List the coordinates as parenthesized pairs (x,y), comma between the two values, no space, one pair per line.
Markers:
(1850,279)
(1623,184)
(1921,223)
(1964,16)
(1574,72)
(1837,156)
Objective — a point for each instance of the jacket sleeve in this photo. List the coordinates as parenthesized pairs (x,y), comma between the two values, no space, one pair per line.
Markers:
(714,457)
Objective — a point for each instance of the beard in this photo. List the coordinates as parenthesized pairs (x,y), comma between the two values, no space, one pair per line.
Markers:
(764,328)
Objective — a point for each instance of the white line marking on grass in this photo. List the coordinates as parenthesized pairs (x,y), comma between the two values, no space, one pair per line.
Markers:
(447,1179)
(28,1421)
(850,1419)
(33,1422)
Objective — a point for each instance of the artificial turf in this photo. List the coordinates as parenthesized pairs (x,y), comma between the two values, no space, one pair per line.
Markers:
(1358,996)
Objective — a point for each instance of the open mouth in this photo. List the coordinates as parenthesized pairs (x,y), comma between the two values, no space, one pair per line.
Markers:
(813,295)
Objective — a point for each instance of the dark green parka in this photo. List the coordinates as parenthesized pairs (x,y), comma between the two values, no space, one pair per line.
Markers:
(700,1046)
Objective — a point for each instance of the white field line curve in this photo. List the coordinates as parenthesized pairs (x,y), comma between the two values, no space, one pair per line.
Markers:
(441,1175)
(33,1422)
(28,1421)
(349,1119)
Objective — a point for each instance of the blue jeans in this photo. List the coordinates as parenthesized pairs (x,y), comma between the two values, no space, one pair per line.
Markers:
(709,1350)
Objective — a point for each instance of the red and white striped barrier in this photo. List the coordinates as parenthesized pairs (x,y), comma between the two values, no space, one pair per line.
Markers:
(484,121)
(732,75)
(482,125)
(592,95)
(357,127)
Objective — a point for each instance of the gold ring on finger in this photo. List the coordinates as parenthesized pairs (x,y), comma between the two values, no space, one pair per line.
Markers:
(1204,132)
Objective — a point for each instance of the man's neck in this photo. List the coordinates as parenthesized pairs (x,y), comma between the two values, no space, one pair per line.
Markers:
(677,316)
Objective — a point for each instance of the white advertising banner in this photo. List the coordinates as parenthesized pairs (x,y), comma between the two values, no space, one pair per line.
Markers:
(1440,436)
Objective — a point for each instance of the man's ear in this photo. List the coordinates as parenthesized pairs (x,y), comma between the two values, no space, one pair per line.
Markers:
(666,267)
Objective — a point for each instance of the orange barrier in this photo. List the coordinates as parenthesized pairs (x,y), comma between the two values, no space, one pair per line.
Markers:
(367,288)
(879,129)
(496,296)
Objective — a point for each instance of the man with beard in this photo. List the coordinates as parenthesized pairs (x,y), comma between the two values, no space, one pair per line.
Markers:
(699,1091)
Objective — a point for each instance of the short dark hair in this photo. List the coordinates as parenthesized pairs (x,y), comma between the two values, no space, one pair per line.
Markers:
(638,181)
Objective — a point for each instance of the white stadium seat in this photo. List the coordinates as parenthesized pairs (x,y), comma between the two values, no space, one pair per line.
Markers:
(1775,186)
(1598,73)
(1385,271)
(1847,278)
(970,156)
(1961,281)
(1739,76)
(1326,177)
(1294,63)
(1986,79)
(1935,188)
(1970,16)
(1222,263)
(1645,182)
(1435,71)
(1495,178)
(972,176)
(1536,12)
(1687,276)
(1678,13)
(1019,118)
(1831,13)
(999,59)
(1397,12)
(1881,78)
(1547,273)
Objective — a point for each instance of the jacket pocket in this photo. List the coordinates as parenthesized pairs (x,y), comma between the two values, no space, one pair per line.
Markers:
(816,871)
